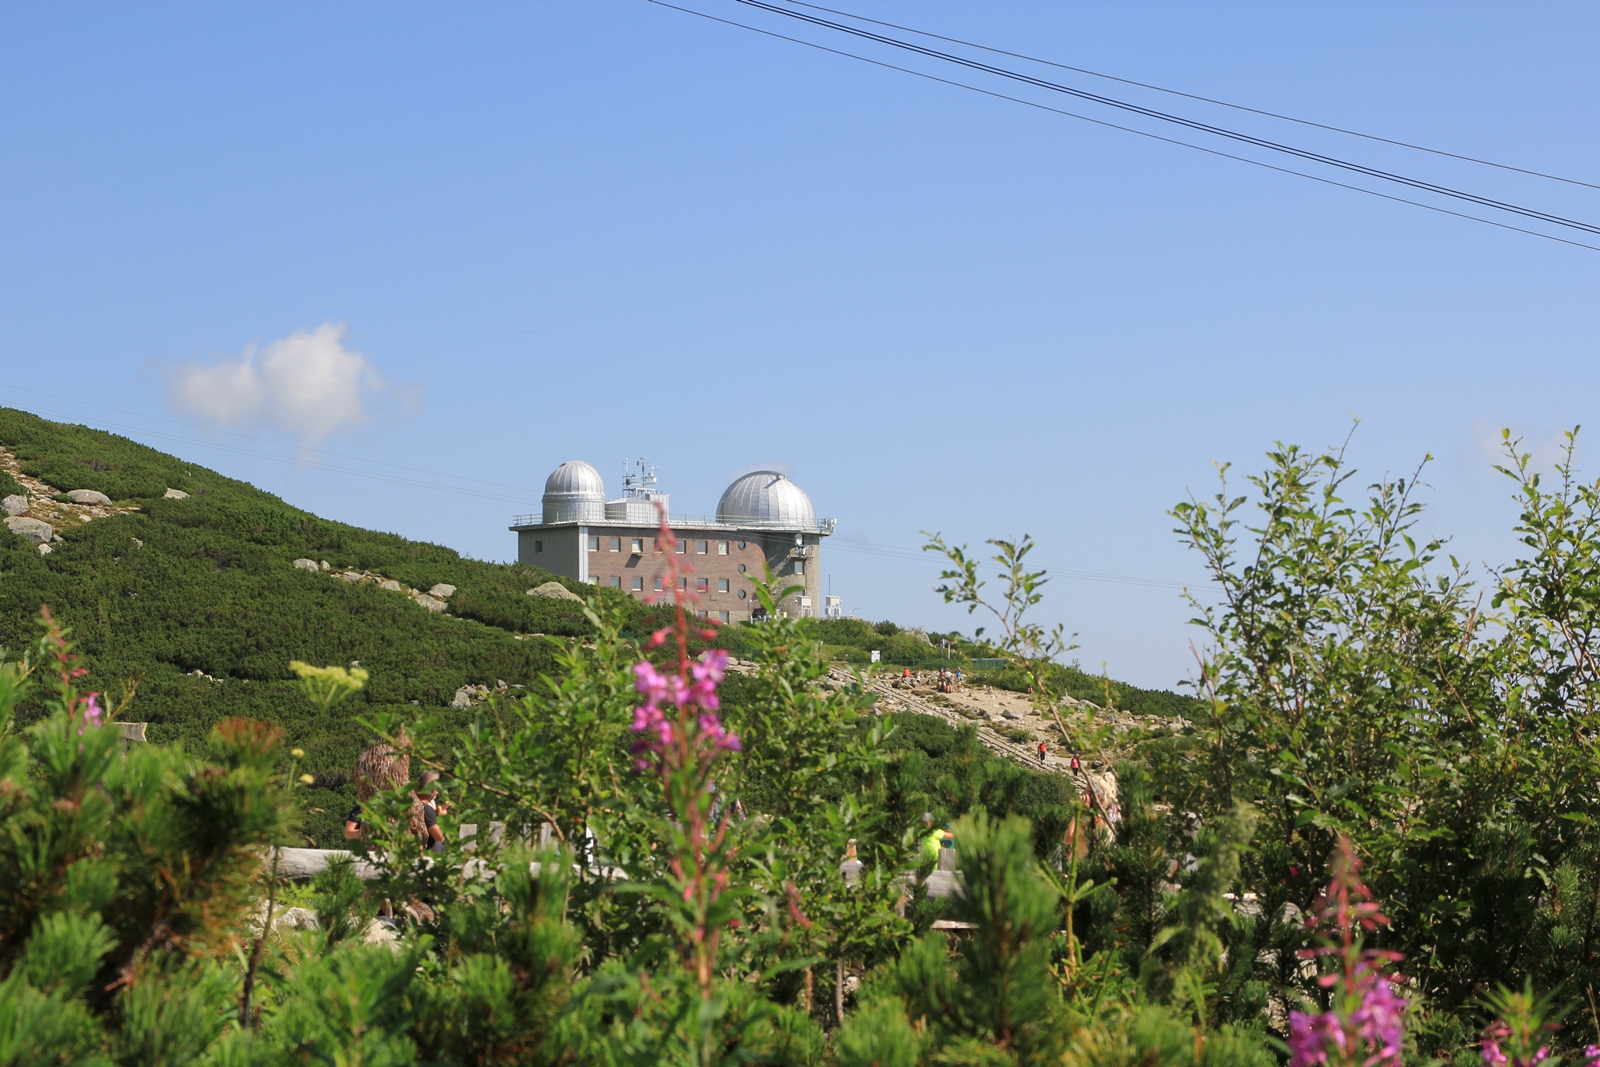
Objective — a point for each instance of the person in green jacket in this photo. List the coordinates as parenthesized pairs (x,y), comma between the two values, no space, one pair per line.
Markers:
(933,839)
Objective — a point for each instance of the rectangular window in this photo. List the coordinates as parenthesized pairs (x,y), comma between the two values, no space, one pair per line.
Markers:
(722,585)
(538,546)
(594,544)
(638,585)
(638,546)
(722,548)
(616,582)
(591,580)
(683,546)
(799,566)
(702,584)
(615,545)
(700,547)
(724,616)
(683,583)
(659,584)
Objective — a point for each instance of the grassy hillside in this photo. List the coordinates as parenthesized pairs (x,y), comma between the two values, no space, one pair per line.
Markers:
(207,584)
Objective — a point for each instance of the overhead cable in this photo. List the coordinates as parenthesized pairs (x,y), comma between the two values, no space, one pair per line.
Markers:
(1196,96)
(1179,120)
(1125,129)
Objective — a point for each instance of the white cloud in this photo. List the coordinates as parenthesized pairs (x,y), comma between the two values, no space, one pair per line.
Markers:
(308,384)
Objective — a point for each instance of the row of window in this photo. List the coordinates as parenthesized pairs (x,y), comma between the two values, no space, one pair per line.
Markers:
(702,585)
(636,546)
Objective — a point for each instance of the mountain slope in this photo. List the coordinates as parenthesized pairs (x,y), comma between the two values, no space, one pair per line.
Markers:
(208,584)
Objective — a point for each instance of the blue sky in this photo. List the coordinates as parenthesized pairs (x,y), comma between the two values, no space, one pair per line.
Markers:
(558,231)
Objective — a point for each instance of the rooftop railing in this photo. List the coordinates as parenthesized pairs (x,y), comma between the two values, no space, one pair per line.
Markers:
(699,522)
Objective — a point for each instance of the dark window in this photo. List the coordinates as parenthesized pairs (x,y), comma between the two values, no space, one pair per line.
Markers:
(799,566)
(722,585)
(638,583)
(616,544)
(659,584)
(701,547)
(723,616)
(594,544)
(741,544)
(741,594)
(538,546)
(683,583)
(683,546)
(616,582)
(722,548)
(702,584)
(741,568)
(638,546)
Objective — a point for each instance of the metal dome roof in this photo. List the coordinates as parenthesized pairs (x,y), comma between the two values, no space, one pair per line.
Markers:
(574,492)
(767,499)
(575,480)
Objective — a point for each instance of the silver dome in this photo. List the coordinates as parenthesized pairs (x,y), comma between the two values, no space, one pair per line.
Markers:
(574,492)
(766,499)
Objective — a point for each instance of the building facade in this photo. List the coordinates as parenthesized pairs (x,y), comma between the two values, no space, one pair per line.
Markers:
(763,521)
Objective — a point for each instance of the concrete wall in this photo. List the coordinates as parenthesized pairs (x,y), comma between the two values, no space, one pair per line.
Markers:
(557,549)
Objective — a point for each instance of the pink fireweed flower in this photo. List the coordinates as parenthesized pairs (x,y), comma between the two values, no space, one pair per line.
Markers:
(1315,1038)
(92,713)
(656,730)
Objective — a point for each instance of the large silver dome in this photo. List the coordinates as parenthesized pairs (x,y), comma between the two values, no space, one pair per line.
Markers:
(574,492)
(766,499)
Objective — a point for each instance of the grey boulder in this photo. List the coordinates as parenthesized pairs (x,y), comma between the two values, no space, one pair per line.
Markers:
(391,585)
(35,530)
(306,564)
(442,591)
(431,603)
(554,590)
(14,505)
(88,496)
(175,494)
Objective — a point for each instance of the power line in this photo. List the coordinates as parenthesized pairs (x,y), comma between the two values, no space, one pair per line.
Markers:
(1163,116)
(1126,129)
(1202,99)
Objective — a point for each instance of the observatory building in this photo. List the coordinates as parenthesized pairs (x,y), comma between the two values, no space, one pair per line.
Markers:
(762,520)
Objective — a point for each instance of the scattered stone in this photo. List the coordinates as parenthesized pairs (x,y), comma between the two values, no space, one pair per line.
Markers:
(137,543)
(198,673)
(430,603)
(555,590)
(306,564)
(350,576)
(89,496)
(323,566)
(34,530)
(391,585)
(296,919)
(469,695)
(442,591)
(1009,714)
(45,550)
(175,494)
(57,539)
(14,505)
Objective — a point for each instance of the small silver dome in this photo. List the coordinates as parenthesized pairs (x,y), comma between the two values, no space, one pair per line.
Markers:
(766,499)
(574,492)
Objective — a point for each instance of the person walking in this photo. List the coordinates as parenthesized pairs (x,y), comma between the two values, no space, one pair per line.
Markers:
(1043,750)
(427,795)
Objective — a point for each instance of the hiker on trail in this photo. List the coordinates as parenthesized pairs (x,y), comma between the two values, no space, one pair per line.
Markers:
(428,795)
(933,842)
(1043,748)
(379,767)
(958,677)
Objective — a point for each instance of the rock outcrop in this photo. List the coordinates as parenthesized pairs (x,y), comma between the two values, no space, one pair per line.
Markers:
(431,603)
(14,505)
(554,590)
(306,564)
(35,530)
(89,496)
(442,591)
(175,494)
